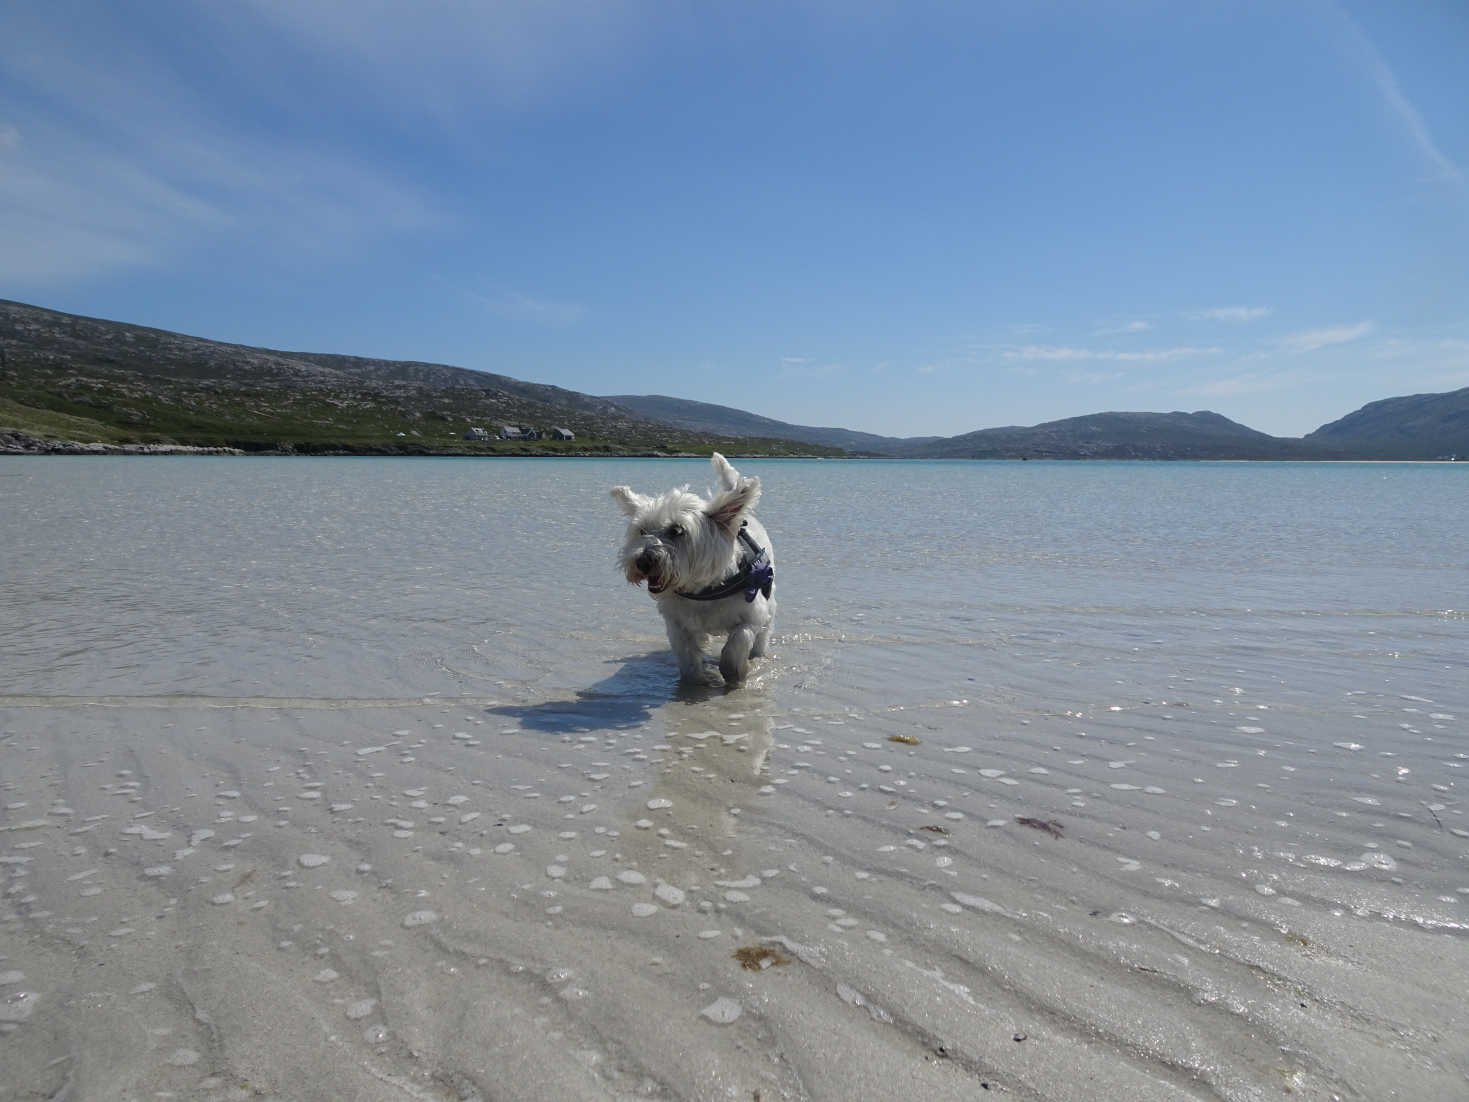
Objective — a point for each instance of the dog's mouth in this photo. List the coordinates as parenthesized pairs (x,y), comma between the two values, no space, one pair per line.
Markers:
(650,566)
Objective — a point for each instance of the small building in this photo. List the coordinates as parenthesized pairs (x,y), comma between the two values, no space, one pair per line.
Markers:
(511,432)
(472,434)
(559,433)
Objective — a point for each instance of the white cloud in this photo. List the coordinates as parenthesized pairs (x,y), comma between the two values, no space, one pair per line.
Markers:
(1246,383)
(125,165)
(449,58)
(809,367)
(1443,348)
(538,311)
(1064,352)
(1405,114)
(1232,313)
(1309,340)
(1092,378)
(1138,326)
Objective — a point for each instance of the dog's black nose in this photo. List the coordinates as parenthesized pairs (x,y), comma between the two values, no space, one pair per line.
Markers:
(645,561)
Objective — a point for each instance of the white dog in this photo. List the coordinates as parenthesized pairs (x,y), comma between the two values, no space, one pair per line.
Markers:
(708,564)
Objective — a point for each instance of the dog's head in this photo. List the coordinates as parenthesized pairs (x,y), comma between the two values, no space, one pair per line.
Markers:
(680,541)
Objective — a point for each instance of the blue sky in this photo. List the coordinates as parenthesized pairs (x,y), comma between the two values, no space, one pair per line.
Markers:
(909,217)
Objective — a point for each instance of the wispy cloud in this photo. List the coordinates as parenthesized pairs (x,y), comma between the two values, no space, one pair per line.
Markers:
(1246,383)
(1092,378)
(1137,326)
(113,160)
(73,208)
(1309,340)
(449,57)
(537,311)
(1438,362)
(1066,352)
(1408,119)
(1232,313)
(809,367)
(1400,347)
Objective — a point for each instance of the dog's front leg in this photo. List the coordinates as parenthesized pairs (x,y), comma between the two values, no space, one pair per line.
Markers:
(687,648)
(762,637)
(734,659)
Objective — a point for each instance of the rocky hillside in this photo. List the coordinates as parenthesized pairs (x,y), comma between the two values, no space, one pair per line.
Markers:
(1417,426)
(707,417)
(66,377)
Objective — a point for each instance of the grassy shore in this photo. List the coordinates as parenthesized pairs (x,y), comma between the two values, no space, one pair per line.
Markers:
(41,407)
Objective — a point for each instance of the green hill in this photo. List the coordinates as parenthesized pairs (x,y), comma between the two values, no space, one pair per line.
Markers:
(66,377)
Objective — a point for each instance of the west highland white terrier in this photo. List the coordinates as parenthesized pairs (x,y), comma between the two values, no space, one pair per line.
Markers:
(708,564)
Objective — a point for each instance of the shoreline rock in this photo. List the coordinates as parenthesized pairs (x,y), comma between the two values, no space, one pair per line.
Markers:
(18,443)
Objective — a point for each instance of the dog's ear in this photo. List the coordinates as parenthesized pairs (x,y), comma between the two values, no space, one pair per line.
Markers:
(630,500)
(728,507)
(729,478)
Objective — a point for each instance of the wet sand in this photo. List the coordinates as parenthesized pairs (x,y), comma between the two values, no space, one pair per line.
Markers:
(721,898)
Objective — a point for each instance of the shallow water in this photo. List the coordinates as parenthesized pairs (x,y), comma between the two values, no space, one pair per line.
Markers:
(1178,812)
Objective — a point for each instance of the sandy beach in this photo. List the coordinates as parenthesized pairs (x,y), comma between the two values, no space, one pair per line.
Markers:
(381,899)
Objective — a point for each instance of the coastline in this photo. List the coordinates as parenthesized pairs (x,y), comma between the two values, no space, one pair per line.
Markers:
(13,442)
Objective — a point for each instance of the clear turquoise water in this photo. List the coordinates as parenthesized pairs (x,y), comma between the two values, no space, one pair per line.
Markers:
(382,577)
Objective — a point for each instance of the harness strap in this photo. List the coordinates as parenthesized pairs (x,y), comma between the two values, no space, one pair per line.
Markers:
(755,574)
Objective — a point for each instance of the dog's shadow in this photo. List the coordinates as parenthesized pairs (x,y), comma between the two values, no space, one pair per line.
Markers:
(639,686)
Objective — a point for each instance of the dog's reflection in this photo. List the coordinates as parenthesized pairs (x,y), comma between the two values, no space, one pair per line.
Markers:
(683,829)
(709,748)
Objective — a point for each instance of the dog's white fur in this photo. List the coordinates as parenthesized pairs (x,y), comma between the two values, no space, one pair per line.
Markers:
(678,541)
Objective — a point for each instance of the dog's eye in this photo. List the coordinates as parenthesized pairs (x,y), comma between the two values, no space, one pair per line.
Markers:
(674,531)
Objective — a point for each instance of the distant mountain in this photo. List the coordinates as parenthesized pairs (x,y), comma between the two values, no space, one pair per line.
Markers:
(1417,426)
(1200,435)
(724,420)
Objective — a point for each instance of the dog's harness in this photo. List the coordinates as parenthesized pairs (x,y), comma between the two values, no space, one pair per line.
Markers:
(755,574)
